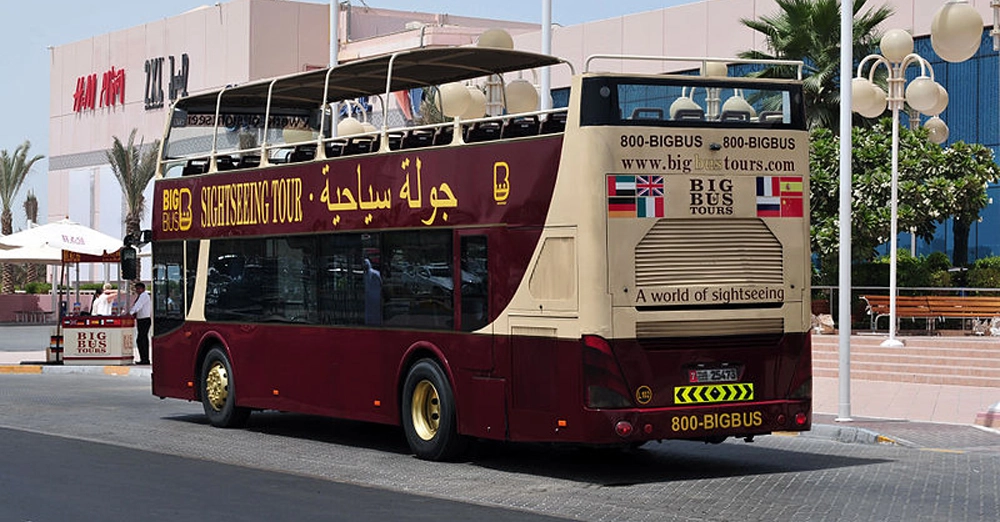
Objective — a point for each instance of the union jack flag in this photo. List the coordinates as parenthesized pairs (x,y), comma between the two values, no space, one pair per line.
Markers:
(649,186)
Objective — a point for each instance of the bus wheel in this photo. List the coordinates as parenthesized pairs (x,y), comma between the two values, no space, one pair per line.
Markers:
(218,395)
(429,413)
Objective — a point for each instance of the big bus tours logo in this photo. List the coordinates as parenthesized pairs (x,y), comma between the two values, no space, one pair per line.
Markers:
(177,214)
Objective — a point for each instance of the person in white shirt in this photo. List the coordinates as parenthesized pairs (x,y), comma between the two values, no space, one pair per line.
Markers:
(104,303)
(141,310)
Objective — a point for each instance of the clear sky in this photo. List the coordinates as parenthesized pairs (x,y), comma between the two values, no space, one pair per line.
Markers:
(31,26)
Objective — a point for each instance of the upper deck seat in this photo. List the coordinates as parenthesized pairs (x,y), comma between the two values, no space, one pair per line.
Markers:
(224,163)
(771,117)
(647,113)
(555,122)
(195,166)
(249,161)
(521,126)
(483,131)
(417,138)
(304,152)
(334,148)
(360,145)
(444,135)
(689,115)
(735,116)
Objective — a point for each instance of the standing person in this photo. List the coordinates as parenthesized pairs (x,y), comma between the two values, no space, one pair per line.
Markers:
(141,309)
(104,303)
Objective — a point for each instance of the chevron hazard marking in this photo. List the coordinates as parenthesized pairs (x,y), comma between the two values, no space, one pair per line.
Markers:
(712,393)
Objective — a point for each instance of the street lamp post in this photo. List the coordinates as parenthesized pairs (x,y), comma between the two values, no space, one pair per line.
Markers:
(924,95)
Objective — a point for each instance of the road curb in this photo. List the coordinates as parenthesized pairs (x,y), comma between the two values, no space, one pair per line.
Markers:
(853,435)
(129,371)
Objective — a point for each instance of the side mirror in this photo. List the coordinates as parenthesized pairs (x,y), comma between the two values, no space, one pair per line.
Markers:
(129,263)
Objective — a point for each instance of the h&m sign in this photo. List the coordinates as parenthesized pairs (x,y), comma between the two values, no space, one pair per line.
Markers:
(112,90)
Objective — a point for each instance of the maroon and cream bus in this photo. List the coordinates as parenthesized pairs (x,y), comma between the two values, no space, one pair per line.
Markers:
(630,267)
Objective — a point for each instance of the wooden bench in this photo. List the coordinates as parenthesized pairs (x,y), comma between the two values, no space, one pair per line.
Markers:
(933,308)
(907,307)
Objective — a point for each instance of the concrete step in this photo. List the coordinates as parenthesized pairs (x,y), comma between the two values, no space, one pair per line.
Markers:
(960,361)
(952,380)
(916,369)
(916,359)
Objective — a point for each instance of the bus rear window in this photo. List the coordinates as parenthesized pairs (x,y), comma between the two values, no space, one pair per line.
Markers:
(691,101)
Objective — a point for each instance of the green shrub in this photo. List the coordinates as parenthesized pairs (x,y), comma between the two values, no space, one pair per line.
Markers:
(985,273)
(38,288)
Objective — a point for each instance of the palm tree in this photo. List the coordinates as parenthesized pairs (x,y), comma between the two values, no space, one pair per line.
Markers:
(31,212)
(809,30)
(14,168)
(134,170)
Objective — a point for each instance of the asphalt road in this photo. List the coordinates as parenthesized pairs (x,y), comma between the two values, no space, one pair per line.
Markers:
(54,479)
(776,478)
(23,338)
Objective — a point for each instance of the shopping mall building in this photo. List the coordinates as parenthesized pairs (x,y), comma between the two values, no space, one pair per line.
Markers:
(112,83)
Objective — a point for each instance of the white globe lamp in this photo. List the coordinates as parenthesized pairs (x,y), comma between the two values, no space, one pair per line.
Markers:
(477,104)
(496,38)
(455,99)
(922,94)
(878,104)
(942,103)
(521,97)
(862,95)
(937,130)
(896,44)
(714,69)
(349,126)
(956,31)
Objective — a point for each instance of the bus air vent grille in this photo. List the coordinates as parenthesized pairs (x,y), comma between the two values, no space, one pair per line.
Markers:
(678,252)
(706,328)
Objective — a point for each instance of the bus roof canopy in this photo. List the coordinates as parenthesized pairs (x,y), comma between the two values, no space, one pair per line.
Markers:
(410,69)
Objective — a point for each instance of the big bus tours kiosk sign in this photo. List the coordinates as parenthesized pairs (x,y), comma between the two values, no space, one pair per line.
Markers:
(632,267)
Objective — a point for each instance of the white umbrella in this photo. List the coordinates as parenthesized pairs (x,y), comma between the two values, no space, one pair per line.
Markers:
(32,254)
(64,235)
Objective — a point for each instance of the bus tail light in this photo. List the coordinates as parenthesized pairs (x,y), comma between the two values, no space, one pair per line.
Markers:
(602,377)
(623,428)
(801,418)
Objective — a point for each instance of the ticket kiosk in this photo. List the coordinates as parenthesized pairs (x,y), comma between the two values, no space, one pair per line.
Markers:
(100,340)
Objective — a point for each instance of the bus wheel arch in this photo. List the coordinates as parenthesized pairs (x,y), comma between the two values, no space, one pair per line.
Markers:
(217,389)
(428,412)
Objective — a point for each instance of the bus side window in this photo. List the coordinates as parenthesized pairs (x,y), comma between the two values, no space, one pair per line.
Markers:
(475,283)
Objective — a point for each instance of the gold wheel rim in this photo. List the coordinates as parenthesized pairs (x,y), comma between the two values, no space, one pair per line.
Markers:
(425,408)
(217,385)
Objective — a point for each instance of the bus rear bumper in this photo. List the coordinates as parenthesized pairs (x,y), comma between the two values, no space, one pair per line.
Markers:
(711,423)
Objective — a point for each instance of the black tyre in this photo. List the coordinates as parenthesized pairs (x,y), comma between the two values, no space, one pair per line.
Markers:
(428,413)
(218,395)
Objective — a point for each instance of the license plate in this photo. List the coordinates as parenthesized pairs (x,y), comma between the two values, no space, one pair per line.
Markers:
(713,375)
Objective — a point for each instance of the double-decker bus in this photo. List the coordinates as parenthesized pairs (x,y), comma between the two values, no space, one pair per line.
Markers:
(632,266)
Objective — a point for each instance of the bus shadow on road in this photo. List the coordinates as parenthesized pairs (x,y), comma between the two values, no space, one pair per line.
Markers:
(608,467)
(657,462)
(320,429)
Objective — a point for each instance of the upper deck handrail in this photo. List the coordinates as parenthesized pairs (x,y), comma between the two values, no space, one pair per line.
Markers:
(702,60)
